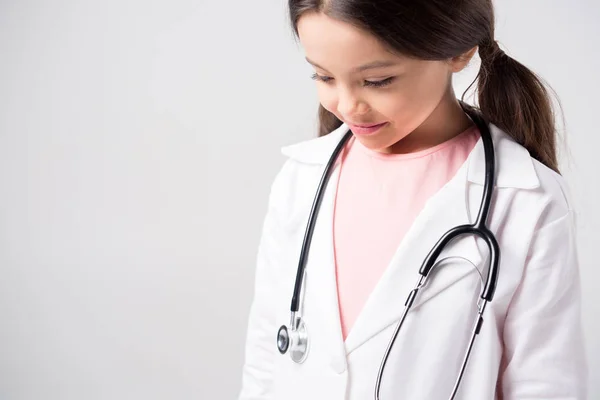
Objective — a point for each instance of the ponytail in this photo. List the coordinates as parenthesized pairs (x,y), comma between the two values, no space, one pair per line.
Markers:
(514,99)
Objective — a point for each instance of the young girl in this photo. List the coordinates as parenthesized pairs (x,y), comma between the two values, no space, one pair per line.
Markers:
(413,168)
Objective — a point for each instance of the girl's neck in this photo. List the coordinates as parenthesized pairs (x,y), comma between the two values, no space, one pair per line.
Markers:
(445,122)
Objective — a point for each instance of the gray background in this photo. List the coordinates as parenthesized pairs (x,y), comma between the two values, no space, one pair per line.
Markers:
(138,140)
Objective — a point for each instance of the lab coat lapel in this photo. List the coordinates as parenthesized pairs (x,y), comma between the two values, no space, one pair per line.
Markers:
(321,274)
(446,209)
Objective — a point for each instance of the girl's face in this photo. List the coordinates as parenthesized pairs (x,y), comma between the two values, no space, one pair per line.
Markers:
(361,82)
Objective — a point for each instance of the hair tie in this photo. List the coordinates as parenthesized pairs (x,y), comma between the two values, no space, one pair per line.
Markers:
(489,50)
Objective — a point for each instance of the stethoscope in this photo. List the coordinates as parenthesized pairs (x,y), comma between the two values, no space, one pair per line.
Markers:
(295,338)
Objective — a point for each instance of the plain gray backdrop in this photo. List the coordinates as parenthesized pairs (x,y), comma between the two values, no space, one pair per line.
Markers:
(138,140)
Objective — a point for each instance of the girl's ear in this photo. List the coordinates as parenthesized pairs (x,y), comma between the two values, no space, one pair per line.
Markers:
(458,63)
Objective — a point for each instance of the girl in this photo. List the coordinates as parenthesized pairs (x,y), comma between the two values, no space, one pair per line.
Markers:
(414,168)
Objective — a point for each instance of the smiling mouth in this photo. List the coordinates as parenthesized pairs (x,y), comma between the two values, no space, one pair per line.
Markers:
(365,125)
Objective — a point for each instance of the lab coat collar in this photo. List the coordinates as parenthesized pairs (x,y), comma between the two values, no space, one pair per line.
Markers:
(514,166)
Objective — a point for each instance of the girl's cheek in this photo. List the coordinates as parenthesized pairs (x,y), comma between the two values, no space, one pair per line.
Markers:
(327,100)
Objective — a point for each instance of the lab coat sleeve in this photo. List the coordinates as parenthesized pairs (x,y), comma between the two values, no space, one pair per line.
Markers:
(544,355)
(260,347)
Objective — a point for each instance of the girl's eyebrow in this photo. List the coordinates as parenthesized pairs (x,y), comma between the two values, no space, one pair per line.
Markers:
(371,65)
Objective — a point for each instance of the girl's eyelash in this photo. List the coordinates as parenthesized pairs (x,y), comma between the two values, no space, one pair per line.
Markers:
(381,83)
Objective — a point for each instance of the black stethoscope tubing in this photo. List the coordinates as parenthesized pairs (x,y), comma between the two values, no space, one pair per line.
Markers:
(298,338)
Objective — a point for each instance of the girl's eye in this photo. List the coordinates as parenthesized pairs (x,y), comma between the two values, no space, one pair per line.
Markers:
(381,83)
(318,77)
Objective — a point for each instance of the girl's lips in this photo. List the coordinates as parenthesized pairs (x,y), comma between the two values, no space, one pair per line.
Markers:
(361,130)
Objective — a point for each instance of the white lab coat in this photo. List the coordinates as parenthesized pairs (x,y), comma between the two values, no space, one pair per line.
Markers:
(530,345)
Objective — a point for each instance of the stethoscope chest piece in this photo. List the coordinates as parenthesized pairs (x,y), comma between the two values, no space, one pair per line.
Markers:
(295,341)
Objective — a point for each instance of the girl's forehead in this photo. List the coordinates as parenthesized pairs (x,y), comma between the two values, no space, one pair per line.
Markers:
(328,42)
(315,29)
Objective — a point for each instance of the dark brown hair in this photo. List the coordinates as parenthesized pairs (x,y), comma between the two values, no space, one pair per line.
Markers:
(509,95)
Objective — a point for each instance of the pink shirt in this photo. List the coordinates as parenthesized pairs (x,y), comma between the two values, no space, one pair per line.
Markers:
(378,197)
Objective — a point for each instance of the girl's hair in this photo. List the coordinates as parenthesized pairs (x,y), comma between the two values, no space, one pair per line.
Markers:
(509,95)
